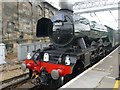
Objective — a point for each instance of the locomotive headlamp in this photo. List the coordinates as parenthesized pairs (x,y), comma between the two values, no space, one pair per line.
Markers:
(67,60)
(46,57)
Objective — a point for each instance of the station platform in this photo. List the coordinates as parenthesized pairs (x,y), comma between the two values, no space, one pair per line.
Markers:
(100,76)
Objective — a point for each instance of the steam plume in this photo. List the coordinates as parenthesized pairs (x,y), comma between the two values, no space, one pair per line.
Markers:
(64,4)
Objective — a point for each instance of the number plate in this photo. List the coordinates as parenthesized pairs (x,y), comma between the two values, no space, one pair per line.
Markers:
(58,24)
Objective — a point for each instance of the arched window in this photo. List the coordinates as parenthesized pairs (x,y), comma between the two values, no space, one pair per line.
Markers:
(47,13)
(51,14)
(39,11)
(25,17)
(10,27)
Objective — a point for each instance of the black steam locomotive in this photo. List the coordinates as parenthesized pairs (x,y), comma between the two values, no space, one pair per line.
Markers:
(70,52)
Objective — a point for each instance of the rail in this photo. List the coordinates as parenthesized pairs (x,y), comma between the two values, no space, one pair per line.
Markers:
(14,82)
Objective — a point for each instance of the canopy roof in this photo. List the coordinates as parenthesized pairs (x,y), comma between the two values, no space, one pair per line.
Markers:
(102,11)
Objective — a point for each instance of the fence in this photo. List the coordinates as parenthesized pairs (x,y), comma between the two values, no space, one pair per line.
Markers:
(23,49)
(2,53)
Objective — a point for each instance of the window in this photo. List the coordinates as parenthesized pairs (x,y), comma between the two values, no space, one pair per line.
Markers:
(51,14)
(47,13)
(10,27)
(39,11)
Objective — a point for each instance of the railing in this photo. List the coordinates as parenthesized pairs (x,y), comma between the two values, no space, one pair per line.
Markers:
(23,49)
(2,53)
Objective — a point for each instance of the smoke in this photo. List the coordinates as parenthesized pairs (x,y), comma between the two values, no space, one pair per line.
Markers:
(64,4)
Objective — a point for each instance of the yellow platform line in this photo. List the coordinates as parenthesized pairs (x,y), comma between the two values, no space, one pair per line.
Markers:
(117,85)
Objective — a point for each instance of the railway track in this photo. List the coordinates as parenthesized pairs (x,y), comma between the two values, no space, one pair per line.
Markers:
(14,82)
(19,82)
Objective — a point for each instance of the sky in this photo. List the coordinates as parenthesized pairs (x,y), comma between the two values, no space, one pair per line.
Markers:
(104,17)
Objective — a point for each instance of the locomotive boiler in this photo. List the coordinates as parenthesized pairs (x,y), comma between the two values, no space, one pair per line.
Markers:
(69,54)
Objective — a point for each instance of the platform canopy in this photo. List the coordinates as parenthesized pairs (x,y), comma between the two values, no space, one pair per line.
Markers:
(102,11)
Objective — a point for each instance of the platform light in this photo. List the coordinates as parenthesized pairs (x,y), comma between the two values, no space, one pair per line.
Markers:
(67,60)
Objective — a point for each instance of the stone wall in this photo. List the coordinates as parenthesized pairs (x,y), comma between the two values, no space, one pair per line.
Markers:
(19,22)
(0,21)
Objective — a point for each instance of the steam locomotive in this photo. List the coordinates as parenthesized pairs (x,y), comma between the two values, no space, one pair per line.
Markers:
(71,52)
